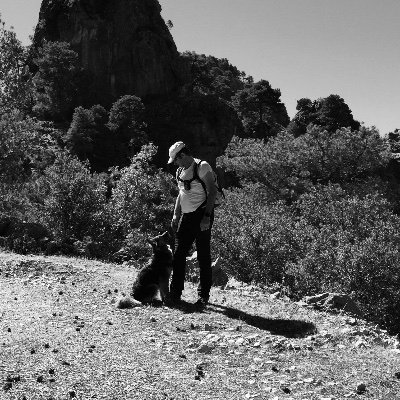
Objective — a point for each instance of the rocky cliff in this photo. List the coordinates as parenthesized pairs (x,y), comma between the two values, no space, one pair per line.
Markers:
(126,48)
(124,45)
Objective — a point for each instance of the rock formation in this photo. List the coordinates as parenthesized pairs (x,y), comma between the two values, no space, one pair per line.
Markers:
(126,48)
(124,45)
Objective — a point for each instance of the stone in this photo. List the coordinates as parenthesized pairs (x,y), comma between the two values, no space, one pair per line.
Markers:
(219,276)
(125,45)
(336,301)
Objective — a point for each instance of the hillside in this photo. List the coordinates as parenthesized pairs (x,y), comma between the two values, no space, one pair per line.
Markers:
(62,337)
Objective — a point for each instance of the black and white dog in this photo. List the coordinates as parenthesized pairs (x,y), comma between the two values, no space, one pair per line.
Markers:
(152,280)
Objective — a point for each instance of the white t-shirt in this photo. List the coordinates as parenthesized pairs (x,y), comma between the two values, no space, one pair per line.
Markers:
(192,199)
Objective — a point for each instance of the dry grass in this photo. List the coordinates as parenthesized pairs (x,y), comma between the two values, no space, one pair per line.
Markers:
(62,337)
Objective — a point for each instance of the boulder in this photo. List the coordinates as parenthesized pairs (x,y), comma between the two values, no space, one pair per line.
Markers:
(336,301)
(219,276)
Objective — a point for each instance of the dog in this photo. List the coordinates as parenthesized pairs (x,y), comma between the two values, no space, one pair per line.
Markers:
(152,280)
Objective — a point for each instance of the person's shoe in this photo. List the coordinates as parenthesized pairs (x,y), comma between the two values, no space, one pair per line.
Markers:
(201,304)
(173,301)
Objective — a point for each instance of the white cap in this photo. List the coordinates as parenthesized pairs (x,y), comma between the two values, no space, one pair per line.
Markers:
(174,150)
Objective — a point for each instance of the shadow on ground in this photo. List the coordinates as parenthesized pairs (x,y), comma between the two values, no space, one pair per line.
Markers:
(284,327)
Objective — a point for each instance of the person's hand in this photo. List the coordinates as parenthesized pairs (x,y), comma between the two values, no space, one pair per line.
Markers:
(205,223)
(174,223)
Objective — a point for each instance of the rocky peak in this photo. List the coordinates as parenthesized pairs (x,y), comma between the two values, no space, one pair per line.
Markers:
(123,44)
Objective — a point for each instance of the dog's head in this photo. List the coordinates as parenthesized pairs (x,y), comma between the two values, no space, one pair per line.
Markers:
(160,242)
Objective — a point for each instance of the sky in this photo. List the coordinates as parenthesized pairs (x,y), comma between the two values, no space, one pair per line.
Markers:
(306,48)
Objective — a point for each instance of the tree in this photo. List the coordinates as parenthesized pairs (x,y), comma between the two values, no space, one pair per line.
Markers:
(25,144)
(286,166)
(126,122)
(56,81)
(211,75)
(15,80)
(331,113)
(87,134)
(261,110)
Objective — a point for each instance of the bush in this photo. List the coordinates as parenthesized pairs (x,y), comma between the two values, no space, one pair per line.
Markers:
(287,166)
(69,200)
(142,200)
(255,239)
(351,246)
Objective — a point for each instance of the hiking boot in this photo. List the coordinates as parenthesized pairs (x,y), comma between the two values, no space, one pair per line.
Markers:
(201,304)
(173,301)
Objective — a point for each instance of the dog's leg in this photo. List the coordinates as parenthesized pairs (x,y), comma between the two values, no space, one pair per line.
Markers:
(164,289)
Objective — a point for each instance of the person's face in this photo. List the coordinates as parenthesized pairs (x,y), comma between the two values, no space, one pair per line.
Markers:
(178,160)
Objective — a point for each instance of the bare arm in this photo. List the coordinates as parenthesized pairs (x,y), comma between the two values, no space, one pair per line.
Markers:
(177,214)
(211,193)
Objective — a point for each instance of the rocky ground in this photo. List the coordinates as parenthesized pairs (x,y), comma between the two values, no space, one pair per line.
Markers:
(62,337)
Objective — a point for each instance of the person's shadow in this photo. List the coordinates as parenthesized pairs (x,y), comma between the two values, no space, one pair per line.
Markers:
(285,327)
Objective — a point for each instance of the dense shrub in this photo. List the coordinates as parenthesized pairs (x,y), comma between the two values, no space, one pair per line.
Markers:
(142,201)
(354,248)
(69,199)
(255,239)
(287,166)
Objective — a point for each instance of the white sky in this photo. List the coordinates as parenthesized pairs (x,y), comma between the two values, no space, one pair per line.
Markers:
(306,48)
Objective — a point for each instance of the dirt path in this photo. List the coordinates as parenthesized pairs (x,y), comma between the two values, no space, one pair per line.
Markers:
(62,337)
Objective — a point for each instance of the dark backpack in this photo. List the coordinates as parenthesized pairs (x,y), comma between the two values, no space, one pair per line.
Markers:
(220,196)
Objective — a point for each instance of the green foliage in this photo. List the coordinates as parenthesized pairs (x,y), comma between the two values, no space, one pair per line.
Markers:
(56,82)
(331,113)
(15,80)
(144,196)
(255,239)
(90,139)
(211,75)
(288,166)
(261,110)
(69,199)
(126,121)
(352,246)
(25,144)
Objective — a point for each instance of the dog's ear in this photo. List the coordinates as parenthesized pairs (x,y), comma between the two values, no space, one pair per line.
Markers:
(151,242)
(166,236)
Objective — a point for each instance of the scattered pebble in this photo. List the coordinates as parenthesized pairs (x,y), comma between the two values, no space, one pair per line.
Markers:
(361,388)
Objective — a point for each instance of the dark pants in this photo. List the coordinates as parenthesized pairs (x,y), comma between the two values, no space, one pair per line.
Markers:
(188,232)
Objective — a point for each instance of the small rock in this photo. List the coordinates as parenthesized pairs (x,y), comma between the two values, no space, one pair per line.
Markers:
(8,329)
(397,375)
(361,388)
(55,350)
(205,349)
(46,346)
(7,386)
(40,379)
(13,378)
(33,351)
(208,327)
(153,319)
(72,394)
(182,356)
(60,292)
(286,390)
(51,371)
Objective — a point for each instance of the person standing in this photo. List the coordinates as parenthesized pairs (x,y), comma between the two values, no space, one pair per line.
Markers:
(192,221)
